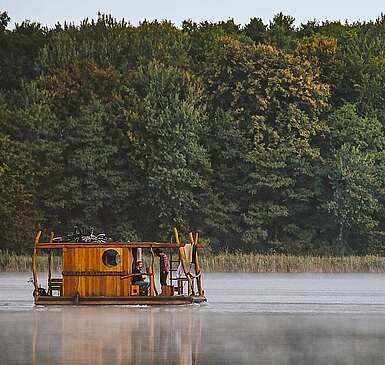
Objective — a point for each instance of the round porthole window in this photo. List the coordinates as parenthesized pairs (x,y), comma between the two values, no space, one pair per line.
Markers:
(111,258)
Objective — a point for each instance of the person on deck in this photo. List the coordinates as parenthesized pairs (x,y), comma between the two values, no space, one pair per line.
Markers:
(139,279)
(164,265)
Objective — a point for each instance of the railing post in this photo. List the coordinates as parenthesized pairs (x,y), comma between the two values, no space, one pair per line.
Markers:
(150,271)
(51,235)
(198,272)
(34,268)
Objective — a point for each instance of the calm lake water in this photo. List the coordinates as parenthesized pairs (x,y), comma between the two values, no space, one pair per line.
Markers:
(249,319)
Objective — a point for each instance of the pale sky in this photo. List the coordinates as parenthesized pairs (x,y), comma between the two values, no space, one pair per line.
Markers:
(49,12)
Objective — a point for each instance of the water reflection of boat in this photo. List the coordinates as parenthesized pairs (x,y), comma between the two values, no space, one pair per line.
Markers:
(106,273)
(114,336)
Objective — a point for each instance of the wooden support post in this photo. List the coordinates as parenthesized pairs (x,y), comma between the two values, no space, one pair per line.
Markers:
(191,238)
(198,272)
(50,265)
(49,272)
(176,235)
(34,268)
(150,272)
(183,259)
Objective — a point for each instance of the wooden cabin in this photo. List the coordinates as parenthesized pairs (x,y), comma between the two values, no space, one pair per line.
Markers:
(103,273)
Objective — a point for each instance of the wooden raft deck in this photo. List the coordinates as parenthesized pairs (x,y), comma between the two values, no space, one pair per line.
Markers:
(129,300)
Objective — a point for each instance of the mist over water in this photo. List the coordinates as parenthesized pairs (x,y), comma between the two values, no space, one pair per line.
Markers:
(249,319)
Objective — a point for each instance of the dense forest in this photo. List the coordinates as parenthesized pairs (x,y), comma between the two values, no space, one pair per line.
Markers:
(264,137)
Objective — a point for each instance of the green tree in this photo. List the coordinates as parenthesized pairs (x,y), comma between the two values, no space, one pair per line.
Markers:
(18,214)
(167,131)
(19,49)
(281,31)
(355,183)
(354,166)
(273,103)
(256,30)
(4,20)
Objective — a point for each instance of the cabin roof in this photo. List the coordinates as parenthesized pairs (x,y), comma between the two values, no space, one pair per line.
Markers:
(58,245)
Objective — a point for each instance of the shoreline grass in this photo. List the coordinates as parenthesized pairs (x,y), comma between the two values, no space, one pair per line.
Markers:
(235,262)
(11,262)
(281,263)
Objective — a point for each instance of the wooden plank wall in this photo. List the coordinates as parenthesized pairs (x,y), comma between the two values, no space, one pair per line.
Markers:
(90,259)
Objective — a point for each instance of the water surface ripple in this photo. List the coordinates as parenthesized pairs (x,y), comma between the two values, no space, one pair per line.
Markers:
(249,319)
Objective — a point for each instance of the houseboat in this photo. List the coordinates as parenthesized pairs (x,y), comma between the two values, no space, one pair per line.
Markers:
(113,272)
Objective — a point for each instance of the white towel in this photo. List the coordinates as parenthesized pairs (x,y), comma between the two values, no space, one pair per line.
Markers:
(188,250)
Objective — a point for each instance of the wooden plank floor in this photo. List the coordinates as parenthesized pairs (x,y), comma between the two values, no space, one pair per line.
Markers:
(132,300)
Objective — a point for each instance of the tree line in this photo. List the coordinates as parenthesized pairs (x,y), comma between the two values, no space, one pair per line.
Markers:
(264,137)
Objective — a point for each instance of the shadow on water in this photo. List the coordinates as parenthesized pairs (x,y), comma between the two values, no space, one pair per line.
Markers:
(232,332)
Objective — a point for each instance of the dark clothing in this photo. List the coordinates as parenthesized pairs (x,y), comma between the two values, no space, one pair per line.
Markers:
(164,266)
(139,280)
(143,287)
(164,262)
(163,278)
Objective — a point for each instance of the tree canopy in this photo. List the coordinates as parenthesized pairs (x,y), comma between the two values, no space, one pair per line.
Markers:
(265,137)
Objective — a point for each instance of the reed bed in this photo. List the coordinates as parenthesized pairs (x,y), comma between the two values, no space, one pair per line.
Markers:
(238,262)
(9,261)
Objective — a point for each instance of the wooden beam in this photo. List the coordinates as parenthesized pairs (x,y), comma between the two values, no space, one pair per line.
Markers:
(59,245)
